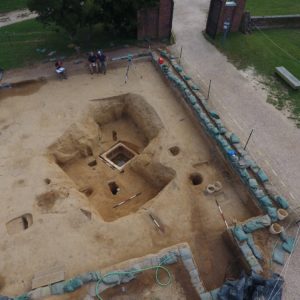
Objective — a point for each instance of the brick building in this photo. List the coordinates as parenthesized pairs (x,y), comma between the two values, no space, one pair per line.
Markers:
(156,22)
(224,14)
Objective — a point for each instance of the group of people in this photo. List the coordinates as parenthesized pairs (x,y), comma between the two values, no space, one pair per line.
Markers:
(96,62)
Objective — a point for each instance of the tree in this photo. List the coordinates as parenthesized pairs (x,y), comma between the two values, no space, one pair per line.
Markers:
(120,16)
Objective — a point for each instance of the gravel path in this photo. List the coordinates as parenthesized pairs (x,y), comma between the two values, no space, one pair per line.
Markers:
(242,104)
(15,17)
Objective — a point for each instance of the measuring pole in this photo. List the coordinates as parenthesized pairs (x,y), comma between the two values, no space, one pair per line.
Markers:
(248,139)
(180,55)
(130,57)
(208,94)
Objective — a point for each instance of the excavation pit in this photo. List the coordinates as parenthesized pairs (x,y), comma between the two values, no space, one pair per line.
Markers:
(19,224)
(119,156)
(77,121)
(174,150)
(114,188)
(120,171)
(196,179)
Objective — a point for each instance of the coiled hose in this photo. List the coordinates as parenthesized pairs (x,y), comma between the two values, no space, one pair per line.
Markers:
(157,268)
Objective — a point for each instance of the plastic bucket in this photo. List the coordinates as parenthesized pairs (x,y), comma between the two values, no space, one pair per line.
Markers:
(210,189)
(282,214)
(275,228)
(218,186)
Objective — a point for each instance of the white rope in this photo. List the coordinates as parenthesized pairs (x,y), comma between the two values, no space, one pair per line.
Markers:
(275,44)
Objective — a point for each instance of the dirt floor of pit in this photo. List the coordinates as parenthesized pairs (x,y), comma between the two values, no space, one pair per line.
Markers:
(144,287)
(64,234)
(106,187)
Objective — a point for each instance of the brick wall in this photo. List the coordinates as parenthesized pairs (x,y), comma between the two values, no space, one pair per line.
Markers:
(165,18)
(219,12)
(156,23)
(148,23)
(234,14)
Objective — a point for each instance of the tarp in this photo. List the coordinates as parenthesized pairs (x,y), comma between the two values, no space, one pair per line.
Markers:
(253,287)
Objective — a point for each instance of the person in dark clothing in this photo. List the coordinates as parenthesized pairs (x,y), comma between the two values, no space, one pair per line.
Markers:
(93,62)
(102,62)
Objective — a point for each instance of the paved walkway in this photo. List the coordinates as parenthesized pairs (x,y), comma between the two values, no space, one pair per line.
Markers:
(242,103)
(15,17)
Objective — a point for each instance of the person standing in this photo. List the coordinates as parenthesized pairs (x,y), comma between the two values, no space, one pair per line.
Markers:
(102,59)
(93,62)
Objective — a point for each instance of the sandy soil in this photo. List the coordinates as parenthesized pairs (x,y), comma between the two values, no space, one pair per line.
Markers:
(38,121)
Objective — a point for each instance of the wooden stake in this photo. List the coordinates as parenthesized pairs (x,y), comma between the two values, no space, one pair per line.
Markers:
(125,201)
(221,212)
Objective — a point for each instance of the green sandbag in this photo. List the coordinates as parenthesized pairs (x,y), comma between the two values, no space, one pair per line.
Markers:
(278,255)
(252,183)
(262,175)
(239,233)
(288,245)
(234,139)
(244,173)
(192,99)
(22,297)
(272,212)
(282,202)
(265,202)
(259,193)
(72,285)
(186,77)
(257,223)
(178,68)
(214,114)
(164,53)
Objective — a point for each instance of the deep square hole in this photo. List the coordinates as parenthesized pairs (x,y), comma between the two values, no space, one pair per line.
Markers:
(114,188)
(119,155)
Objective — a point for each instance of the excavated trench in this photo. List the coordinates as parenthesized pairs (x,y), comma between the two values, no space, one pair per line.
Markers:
(105,158)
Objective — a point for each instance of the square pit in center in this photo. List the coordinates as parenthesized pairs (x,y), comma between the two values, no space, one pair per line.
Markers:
(119,156)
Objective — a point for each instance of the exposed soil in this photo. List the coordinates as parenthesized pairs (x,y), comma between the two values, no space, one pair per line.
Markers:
(58,130)
(146,287)
(24,88)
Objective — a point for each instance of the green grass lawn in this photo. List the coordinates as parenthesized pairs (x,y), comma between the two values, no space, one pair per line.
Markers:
(256,50)
(9,5)
(18,43)
(273,7)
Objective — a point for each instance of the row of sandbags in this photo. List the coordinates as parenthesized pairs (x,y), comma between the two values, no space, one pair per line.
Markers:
(267,197)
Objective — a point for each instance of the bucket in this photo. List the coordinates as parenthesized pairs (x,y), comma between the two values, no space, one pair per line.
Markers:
(275,228)
(218,186)
(210,189)
(282,214)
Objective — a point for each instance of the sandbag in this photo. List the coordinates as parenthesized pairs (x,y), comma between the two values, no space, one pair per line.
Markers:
(265,202)
(262,175)
(282,202)
(289,245)
(272,212)
(72,285)
(278,255)
(239,233)
(257,223)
